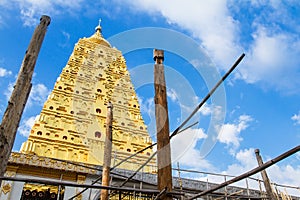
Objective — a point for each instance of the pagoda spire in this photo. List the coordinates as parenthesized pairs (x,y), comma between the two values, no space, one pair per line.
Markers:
(72,125)
(97,37)
(98,28)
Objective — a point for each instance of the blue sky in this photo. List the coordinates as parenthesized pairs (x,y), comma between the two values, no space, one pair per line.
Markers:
(260,99)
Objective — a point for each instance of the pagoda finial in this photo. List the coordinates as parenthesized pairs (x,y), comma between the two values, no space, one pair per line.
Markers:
(99,28)
(97,37)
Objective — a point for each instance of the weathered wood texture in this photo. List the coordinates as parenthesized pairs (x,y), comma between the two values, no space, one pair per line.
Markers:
(164,178)
(20,93)
(265,177)
(107,152)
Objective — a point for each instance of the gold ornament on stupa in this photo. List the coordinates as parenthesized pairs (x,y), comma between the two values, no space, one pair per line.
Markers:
(71,125)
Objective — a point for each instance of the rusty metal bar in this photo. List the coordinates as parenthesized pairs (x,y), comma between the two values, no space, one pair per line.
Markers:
(161,194)
(209,94)
(70,184)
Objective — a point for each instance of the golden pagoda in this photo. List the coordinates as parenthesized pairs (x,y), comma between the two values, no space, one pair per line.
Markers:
(71,125)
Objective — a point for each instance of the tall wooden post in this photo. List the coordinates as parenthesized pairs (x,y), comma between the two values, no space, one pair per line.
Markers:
(264,175)
(107,152)
(164,177)
(19,96)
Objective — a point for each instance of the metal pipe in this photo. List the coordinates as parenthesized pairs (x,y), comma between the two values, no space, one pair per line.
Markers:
(209,94)
(70,184)
(251,172)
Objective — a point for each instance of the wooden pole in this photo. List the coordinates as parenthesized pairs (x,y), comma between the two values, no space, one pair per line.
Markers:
(249,173)
(19,96)
(164,178)
(264,175)
(107,152)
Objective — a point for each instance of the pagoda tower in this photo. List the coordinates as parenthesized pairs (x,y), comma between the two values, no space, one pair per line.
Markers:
(71,125)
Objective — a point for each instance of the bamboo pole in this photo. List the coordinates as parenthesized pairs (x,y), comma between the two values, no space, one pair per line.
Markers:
(19,96)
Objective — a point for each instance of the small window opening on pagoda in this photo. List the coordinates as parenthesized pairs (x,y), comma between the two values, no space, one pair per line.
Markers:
(39,133)
(98,110)
(129,150)
(98,134)
(65,137)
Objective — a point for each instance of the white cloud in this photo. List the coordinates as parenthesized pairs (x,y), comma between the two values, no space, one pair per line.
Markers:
(26,125)
(67,38)
(1,21)
(269,39)
(184,150)
(171,93)
(148,110)
(5,4)
(4,72)
(8,91)
(244,161)
(270,49)
(210,21)
(206,109)
(38,94)
(281,174)
(230,133)
(286,174)
(270,60)
(298,156)
(296,118)
(31,10)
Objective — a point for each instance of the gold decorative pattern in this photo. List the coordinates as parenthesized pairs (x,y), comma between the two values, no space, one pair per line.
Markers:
(6,188)
(71,125)
(34,160)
